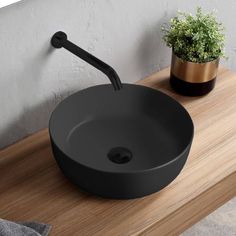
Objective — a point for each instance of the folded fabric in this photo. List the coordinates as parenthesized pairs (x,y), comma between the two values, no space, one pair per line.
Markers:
(9,228)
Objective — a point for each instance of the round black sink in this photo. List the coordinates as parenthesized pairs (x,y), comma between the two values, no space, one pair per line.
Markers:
(121,144)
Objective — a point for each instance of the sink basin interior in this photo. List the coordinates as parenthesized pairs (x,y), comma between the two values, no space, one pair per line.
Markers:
(90,142)
(118,131)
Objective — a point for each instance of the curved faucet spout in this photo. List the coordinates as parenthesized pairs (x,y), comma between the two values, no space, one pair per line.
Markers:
(59,40)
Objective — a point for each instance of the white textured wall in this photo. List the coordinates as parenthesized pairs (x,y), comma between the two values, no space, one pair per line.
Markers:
(124,33)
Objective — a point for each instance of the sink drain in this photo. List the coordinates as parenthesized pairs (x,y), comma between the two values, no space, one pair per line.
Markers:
(119,155)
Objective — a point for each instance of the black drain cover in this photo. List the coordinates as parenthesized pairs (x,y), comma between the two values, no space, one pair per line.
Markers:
(119,155)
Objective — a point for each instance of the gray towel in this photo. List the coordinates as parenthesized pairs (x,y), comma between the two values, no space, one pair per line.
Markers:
(8,228)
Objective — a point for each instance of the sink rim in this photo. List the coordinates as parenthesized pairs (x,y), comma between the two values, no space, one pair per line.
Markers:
(186,148)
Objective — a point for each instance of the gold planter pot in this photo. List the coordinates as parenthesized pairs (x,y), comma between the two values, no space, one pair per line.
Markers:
(193,79)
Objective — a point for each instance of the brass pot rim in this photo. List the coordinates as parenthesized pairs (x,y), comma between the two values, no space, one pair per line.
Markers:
(216,59)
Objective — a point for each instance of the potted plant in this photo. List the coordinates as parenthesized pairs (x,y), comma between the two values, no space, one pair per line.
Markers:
(197,44)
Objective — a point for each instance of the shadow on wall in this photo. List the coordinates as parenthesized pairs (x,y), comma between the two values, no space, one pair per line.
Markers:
(38,116)
(34,115)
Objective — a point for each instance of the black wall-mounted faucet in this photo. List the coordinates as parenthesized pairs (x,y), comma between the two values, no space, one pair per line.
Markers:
(59,40)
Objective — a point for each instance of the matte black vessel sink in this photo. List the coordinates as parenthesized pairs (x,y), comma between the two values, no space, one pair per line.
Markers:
(120,143)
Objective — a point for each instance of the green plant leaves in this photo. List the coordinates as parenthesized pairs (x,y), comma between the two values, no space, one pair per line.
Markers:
(198,38)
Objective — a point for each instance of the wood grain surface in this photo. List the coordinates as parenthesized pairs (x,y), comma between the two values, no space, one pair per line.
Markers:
(33,188)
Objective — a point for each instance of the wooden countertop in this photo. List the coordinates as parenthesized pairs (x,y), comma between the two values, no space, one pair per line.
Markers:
(33,188)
